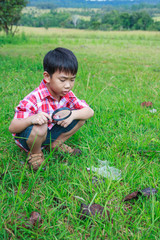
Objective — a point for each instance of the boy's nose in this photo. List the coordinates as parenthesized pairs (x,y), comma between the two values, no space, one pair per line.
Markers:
(67,84)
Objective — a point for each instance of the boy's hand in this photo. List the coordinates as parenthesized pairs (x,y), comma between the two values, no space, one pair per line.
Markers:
(64,123)
(41,118)
(80,114)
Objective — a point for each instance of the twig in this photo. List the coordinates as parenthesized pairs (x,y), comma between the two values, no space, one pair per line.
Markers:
(8,230)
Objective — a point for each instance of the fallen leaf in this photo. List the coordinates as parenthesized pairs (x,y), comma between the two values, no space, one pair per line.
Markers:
(131,196)
(148,191)
(35,218)
(93,210)
(146,104)
(143,192)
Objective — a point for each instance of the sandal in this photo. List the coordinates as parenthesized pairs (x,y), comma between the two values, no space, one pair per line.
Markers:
(72,151)
(35,160)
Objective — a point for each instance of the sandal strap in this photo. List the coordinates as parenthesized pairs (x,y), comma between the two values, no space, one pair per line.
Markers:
(76,152)
(35,160)
(34,155)
(66,149)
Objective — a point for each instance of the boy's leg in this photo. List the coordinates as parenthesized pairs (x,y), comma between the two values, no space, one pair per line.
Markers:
(31,140)
(64,136)
(36,138)
(34,142)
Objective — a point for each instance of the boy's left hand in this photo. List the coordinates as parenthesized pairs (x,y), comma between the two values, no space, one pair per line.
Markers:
(64,123)
(79,114)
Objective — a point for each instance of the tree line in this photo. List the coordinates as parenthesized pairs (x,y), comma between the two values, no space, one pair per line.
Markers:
(113,20)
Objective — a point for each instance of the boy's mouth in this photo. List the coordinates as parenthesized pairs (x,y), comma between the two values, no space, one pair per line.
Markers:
(65,92)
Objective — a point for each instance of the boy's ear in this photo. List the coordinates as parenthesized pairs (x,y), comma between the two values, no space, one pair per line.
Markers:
(46,76)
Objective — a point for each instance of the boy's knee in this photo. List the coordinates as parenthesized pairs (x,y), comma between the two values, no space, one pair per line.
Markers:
(39,130)
(81,123)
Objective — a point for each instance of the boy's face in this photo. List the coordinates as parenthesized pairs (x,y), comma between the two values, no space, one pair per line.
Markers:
(60,83)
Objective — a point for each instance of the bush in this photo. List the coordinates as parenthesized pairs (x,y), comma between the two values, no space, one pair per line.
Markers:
(10,39)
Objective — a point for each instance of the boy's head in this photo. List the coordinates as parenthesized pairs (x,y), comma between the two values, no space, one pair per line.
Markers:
(62,60)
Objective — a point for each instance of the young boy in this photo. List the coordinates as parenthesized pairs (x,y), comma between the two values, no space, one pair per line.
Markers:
(32,125)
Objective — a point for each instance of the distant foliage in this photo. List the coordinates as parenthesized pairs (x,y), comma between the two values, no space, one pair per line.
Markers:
(125,21)
(113,20)
(52,19)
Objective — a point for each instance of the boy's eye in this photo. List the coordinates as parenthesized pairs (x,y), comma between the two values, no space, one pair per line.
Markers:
(63,80)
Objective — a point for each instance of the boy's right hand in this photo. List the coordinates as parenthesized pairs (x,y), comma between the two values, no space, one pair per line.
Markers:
(40,118)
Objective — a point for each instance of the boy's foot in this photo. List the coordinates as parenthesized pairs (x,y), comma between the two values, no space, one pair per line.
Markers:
(72,151)
(35,160)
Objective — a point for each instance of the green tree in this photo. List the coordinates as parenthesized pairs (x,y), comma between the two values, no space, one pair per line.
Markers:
(124,20)
(95,22)
(140,20)
(10,13)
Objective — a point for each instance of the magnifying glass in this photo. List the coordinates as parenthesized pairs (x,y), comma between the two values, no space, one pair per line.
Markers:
(61,114)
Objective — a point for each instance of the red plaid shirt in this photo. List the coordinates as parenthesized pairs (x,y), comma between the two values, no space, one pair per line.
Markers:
(40,100)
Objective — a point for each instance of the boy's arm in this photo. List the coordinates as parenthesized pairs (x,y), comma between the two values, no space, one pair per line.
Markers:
(79,114)
(83,113)
(82,109)
(19,124)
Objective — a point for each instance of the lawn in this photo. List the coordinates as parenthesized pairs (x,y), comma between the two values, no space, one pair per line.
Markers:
(117,72)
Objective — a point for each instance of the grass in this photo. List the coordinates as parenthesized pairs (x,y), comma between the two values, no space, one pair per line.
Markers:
(156,19)
(117,71)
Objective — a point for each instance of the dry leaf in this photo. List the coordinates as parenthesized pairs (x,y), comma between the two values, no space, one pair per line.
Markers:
(144,192)
(93,210)
(131,196)
(146,104)
(35,218)
(148,191)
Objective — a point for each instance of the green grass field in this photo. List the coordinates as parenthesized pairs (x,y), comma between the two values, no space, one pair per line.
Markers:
(156,19)
(117,72)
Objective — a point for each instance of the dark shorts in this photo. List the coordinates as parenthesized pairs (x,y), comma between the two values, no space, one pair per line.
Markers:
(52,134)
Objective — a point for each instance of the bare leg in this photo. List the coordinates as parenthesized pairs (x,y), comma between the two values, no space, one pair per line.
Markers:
(64,136)
(37,137)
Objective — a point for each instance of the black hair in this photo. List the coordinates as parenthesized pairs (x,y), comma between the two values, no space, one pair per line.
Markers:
(60,59)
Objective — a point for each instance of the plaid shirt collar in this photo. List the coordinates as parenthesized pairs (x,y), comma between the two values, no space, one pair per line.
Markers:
(44,90)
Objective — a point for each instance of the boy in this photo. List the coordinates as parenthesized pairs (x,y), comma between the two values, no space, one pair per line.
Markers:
(32,125)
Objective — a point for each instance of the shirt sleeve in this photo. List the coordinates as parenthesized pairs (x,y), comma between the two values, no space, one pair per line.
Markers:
(75,103)
(25,109)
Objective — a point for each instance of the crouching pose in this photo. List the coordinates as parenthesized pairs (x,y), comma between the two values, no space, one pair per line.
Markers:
(32,126)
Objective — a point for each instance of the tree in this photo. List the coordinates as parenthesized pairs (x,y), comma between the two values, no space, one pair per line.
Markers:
(10,13)
(75,19)
(125,20)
